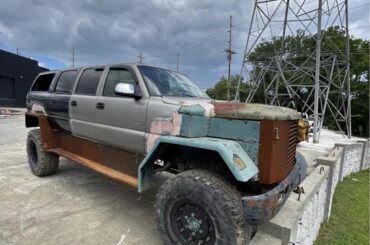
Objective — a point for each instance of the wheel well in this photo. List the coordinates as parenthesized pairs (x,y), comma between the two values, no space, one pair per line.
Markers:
(179,158)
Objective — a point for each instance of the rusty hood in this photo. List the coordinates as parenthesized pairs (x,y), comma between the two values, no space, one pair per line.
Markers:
(235,110)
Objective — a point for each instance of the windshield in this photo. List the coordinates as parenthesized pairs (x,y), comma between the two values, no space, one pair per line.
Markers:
(163,82)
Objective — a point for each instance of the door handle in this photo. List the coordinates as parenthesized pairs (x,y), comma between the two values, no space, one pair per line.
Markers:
(73,103)
(100,106)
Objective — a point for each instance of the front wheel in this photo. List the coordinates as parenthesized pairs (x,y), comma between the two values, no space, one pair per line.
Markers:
(199,207)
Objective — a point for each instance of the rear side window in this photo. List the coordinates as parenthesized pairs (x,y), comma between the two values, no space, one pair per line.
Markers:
(43,82)
(115,76)
(89,81)
(65,82)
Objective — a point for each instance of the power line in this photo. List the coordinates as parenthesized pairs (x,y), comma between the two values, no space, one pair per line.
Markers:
(73,57)
(206,39)
(193,44)
(177,62)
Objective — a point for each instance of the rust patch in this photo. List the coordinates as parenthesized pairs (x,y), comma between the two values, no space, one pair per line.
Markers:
(220,107)
(276,156)
(163,126)
(47,133)
(261,208)
(117,164)
(251,202)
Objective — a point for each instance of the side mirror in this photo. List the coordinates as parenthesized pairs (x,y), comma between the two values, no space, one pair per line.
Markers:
(127,89)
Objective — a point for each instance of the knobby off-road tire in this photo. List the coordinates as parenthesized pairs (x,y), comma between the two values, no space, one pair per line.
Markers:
(41,163)
(199,207)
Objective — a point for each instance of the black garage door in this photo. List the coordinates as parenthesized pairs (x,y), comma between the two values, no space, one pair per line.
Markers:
(7,90)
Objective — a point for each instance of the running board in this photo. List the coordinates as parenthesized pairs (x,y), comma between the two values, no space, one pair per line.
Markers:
(114,174)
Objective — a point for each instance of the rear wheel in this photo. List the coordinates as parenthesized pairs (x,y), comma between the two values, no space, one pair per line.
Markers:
(42,163)
(199,207)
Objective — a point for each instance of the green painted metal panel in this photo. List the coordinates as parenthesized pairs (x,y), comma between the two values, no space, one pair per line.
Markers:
(245,130)
(231,152)
(194,126)
(251,148)
(196,109)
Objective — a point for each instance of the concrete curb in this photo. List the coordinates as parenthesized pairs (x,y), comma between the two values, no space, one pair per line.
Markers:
(6,112)
(298,222)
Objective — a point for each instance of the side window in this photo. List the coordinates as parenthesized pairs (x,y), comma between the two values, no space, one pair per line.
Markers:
(89,81)
(43,82)
(115,76)
(65,82)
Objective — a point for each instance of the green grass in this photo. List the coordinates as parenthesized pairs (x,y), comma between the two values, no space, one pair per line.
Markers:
(349,220)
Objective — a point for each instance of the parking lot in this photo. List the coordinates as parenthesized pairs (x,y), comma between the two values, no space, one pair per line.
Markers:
(75,206)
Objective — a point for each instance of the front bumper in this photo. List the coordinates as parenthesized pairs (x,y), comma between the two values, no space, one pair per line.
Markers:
(261,208)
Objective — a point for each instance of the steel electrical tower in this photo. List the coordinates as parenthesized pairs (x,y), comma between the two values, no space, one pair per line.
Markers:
(313,81)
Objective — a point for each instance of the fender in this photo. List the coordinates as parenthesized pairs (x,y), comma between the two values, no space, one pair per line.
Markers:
(234,156)
(37,108)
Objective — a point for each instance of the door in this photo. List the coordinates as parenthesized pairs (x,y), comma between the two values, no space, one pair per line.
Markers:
(58,107)
(121,119)
(83,103)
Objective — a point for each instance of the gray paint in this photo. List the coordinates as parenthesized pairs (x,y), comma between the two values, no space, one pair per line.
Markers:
(158,108)
(82,116)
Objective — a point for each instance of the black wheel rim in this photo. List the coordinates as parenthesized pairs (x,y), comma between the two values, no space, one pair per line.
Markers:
(32,151)
(192,224)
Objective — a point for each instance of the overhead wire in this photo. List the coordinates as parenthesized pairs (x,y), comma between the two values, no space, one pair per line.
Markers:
(207,39)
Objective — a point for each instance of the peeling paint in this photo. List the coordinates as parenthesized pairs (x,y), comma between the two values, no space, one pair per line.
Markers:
(36,107)
(226,149)
(193,107)
(163,126)
(261,208)
(237,122)
(253,111)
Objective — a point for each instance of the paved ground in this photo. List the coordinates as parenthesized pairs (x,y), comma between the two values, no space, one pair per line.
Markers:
(75,206)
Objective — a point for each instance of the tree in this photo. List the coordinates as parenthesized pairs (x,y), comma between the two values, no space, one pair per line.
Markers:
(219,91)
(297,48)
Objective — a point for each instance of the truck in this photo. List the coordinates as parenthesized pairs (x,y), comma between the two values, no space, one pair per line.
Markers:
(232,165)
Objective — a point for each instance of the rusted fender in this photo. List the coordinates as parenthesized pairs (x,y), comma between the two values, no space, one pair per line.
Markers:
(234,156)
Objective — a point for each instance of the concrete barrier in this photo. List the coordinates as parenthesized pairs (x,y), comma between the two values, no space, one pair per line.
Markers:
(299,220)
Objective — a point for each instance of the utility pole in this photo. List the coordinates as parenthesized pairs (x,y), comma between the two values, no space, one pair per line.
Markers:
(229,53)
(141,58)
(73,57)
(17,51)
(177,62)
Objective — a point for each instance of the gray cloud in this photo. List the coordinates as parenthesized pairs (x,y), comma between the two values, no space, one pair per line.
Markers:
(117,30)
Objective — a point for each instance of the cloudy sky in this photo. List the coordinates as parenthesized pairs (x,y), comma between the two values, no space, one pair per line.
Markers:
(116,31)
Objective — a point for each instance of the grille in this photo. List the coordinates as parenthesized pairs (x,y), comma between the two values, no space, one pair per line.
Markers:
(292,143)
(276,156)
